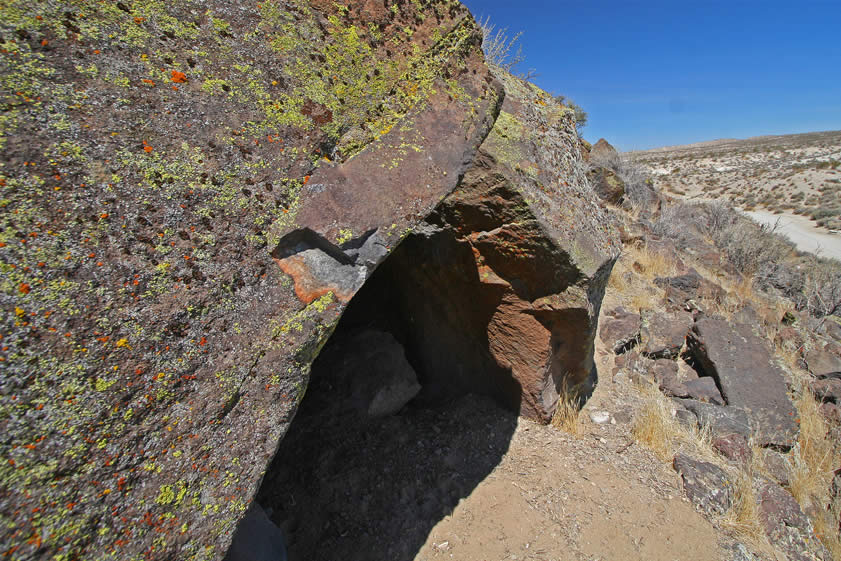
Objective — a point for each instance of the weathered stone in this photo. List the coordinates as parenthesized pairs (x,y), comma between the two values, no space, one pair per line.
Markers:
(369,375)
(722,421)
(690,286)
(823,364)
(603,151)
(217,196)
(831,412)
(257,538)
(662,335)
(705,484)
(703,389)
(785,525)
(827,389)
(607,185)
(734,447)
(665,373)
(744,370)
(777,466)
(620,330)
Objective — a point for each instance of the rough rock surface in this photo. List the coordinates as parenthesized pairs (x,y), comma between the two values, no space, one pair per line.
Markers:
(621,330)
(602,150)
(690,286)
(665,373)
(722,421)
(159,160)
(787,527)
(663,334)
(749,379)
(193,191)
(705,484)
(734,447)
(823,364)
(704,389)
(607,185)
(526,250)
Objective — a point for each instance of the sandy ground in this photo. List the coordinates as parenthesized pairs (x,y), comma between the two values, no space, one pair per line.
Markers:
(802,232)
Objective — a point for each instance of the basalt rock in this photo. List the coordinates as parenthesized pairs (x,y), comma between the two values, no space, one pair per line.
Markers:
(192,193)
(748,378)
(195,191)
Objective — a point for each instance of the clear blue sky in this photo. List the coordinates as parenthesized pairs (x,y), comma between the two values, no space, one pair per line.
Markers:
(663,73)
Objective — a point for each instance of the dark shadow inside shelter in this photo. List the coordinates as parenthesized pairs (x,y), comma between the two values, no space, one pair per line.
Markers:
(405,414)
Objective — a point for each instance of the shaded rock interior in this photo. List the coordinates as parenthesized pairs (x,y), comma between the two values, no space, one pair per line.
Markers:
(405,413)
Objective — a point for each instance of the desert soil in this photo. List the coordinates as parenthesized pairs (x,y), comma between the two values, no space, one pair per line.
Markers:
(795,174)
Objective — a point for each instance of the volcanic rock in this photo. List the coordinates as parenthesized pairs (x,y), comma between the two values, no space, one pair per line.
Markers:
(620,330)
(705,484)
(744,370)
(662,335)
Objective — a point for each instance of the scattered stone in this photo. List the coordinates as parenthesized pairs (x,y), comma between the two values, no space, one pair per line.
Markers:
(704,389)
(786,526)
(823,364)
(665,373)
(389,381)
(831,412)
(620,330)
(827,389)
(690,286)
(734,447)
(721,420)
(599,417)
(257,538)
(662,335)
(777,466)
(747,376)
(705,484)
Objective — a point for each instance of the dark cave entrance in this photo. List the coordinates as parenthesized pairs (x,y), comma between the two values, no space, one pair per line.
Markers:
(405,414)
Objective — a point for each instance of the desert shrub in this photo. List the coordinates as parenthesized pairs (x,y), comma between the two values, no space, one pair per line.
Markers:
(501,50)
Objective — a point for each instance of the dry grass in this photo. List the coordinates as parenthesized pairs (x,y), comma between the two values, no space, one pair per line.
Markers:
(656,426)
(567,411)
(742,518)
(814,458)
(632,276)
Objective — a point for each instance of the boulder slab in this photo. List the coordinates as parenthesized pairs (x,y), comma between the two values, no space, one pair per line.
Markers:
(749,379)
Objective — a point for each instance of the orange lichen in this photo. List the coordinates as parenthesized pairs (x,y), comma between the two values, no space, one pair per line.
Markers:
(178,77)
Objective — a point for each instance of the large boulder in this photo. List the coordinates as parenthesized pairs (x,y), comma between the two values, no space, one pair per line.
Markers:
(620,330)
(602,151)
(192,191)
(195,191)
(748,378)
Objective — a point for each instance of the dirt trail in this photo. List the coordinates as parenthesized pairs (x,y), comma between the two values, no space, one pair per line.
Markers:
(802,231)
(597,496)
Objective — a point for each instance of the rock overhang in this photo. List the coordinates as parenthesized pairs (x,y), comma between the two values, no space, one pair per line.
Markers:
(229,134)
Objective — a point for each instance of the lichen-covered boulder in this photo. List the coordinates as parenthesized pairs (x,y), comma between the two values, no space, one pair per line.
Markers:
(159,161)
